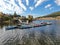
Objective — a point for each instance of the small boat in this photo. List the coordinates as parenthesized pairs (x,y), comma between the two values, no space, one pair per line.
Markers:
(48,23)
(9,28)
(31,26)
(24,27)
(37,25)
(28,26)
(19,25)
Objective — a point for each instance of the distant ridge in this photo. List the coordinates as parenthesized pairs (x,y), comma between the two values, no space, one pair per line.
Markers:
(52,16)
(55,14)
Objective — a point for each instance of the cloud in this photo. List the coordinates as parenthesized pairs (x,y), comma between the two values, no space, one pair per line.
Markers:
(9,6)
(27,2)
(18,10)
(18,5)
(22,5)
(31,8)
(39,2)
(48,6)
(57,2)
(2,4)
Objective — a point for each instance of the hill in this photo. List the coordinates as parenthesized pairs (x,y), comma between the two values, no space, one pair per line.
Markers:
(55,14)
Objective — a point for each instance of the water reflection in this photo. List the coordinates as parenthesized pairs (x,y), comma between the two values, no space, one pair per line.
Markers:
(46,35)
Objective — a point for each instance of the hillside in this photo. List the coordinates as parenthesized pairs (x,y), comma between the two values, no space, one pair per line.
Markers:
(55,14)
(52,16)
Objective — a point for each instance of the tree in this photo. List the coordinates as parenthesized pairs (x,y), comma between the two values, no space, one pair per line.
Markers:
(15,14)
(30,18)
(1,14)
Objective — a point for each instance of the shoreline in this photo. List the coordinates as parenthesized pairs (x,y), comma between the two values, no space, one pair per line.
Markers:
(48,18)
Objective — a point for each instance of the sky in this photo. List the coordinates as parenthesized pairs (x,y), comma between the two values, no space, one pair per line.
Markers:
(29,7)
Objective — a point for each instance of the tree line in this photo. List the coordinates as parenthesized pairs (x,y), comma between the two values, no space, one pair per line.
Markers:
(7,18)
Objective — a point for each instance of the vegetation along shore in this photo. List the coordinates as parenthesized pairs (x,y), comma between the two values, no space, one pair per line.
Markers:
(53,16)
(6,19)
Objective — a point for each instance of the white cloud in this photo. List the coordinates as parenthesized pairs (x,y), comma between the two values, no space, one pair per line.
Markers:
(31,8)
(27,2)
(18,10)
(57,2)
(22,5)
(2,4)
(39,2)
(48,6)
(11,6)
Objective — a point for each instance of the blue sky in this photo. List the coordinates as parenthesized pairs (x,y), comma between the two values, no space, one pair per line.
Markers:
(30,7)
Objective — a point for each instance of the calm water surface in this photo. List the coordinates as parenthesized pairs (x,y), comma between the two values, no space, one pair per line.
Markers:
(45,35)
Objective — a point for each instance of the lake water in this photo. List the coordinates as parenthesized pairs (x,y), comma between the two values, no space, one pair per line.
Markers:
(45,35)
